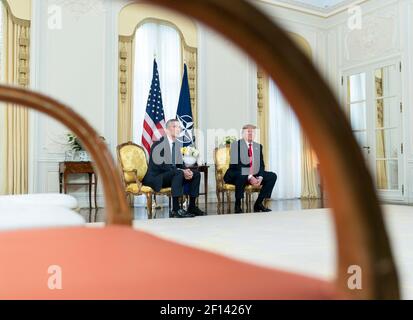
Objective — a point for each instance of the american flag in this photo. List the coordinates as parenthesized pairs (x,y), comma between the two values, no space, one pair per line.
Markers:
(154,122)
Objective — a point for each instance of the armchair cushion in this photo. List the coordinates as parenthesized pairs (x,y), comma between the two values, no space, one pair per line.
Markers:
(229,187)
(249,188)
(133,188)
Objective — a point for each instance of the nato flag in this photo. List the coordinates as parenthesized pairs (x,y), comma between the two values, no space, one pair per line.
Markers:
(184,112)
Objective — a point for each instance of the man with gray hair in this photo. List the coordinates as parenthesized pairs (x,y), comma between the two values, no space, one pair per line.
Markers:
(166,169)
(247,167)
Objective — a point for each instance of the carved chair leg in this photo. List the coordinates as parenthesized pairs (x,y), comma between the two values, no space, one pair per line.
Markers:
(223,202)
(149,205)
(128,199)
(229,201)
(219,202)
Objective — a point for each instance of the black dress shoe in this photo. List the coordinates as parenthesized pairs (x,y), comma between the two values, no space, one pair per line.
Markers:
(196,211)
(260,208)
(181,214)
(238,209)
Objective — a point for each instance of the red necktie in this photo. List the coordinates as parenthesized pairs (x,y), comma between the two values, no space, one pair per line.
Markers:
(250,155)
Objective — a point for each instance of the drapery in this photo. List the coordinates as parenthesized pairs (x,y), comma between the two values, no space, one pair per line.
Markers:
(128,60)
(16,39)
(285,151)
(153,40)
(162,42)
(309,161)
(381,170)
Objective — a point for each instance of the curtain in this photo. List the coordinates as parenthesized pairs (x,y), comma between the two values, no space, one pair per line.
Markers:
(153,40)
(309,161)
(163,42)
(285,141)
(125,112)
(16,37)
(382,180)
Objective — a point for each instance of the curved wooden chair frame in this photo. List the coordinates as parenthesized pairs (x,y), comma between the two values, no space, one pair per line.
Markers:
(361,234)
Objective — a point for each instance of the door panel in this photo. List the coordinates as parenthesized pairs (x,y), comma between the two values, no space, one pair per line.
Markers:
(387,126)
(373,99)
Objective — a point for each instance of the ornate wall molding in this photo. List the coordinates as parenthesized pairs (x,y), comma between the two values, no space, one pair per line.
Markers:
(263,110)
(377,37)
(24,56)
(80,8)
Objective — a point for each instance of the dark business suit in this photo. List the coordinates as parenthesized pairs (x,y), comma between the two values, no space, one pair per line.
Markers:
(163,172)
(240,169)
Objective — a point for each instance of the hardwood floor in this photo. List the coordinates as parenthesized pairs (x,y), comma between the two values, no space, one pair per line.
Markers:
(162,213)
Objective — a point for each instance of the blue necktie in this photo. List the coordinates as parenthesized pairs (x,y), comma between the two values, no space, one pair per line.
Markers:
(173,154)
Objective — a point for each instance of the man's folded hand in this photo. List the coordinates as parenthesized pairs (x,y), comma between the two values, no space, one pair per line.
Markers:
(188,174)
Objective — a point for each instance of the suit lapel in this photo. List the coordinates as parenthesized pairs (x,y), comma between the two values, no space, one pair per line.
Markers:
(243,151)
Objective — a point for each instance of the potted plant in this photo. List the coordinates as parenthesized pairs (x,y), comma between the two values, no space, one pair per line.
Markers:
(76,152)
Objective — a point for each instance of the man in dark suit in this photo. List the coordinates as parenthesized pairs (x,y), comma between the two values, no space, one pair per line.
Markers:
(166,169)
(247,167)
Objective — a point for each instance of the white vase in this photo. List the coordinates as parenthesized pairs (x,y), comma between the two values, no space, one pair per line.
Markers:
(83,156)
(189,161)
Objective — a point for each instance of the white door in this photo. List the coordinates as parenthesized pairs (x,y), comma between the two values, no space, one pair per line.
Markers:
(373,101)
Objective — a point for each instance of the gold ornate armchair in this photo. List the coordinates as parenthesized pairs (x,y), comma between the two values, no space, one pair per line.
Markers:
(222,161)
(134,165)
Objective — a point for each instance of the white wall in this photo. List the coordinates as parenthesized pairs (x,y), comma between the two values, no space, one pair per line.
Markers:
(69,64)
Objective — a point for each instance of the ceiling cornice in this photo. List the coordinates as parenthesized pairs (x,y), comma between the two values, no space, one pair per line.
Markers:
(314,10)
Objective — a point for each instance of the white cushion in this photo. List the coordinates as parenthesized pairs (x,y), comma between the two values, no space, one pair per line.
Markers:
(28,217)
(48,199)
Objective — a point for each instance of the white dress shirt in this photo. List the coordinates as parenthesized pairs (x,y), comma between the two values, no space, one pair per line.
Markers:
(170,145)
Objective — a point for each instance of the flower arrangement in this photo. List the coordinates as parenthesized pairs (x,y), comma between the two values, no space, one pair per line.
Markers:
(190,152)
(228,140)
(74,142)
